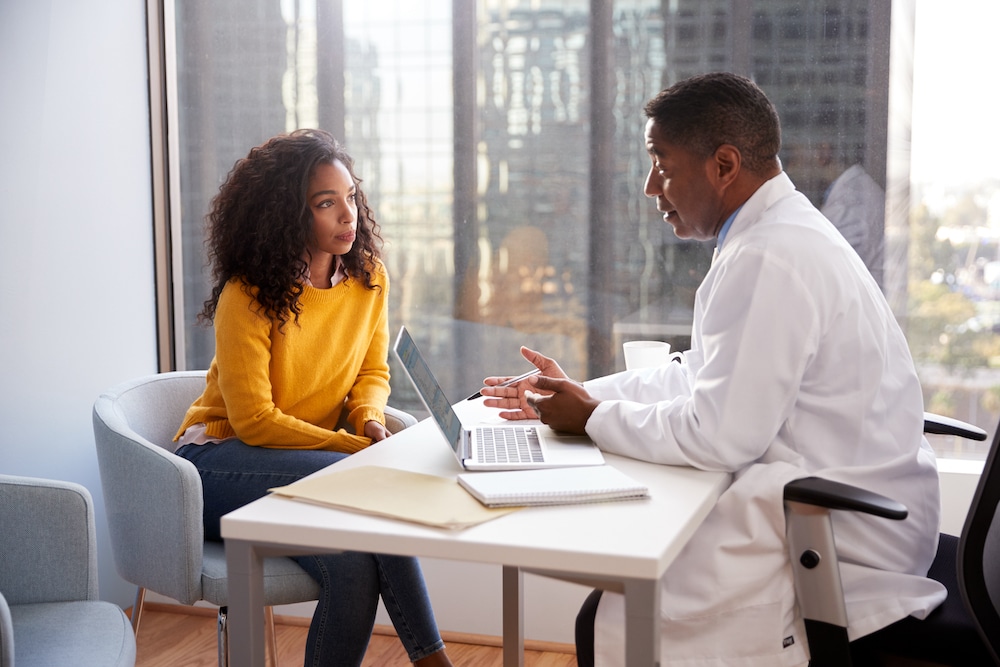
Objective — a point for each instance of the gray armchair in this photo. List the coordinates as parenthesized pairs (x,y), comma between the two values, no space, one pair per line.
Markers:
(49,611)
(154,502)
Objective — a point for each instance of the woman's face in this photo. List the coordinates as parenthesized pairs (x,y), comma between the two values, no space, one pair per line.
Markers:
(331,198)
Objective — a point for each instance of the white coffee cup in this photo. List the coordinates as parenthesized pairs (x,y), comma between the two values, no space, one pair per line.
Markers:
(646,353)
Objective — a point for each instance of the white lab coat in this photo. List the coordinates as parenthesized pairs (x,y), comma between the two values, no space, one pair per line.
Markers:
(797,367)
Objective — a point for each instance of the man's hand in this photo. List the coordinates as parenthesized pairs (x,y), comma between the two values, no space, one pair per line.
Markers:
(512,399)
(564,406)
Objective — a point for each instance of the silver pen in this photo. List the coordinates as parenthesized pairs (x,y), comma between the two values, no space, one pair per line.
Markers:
(512,381)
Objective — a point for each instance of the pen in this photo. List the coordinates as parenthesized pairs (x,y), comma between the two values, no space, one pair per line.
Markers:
(507,383)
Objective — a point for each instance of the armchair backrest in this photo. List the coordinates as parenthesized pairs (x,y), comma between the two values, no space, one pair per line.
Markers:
(48,548)
(153,498)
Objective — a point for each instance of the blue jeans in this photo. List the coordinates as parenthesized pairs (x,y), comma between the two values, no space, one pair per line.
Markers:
(234,474)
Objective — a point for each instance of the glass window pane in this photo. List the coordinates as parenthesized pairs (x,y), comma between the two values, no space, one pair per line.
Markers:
(475,127)
(952,315)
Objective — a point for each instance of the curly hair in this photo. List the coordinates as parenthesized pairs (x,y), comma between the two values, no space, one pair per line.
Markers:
(706,111)
(260,224)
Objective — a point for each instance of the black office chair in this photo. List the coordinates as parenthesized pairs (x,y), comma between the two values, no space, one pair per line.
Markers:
(963,632)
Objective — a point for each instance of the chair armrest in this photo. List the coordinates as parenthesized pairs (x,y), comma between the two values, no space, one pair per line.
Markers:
(941,425)
(813,556)
(838,496)
(154,503)
(49,544)
(396,420)
(6,634)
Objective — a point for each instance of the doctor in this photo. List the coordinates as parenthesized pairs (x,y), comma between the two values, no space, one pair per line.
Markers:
(797,367)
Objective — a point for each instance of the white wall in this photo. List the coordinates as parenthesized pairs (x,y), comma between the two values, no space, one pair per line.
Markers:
(76,267)
(958,484)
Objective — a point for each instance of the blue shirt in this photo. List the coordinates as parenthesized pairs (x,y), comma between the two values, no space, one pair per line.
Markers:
(725,228)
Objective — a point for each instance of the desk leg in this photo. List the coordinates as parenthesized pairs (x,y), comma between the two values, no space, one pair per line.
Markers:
(513,618)
(642,623)
(246,604)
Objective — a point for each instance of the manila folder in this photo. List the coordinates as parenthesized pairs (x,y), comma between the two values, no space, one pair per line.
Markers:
(397,494)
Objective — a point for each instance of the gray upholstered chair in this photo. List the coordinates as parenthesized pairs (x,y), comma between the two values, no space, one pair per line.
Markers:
(154,502)
(49,610)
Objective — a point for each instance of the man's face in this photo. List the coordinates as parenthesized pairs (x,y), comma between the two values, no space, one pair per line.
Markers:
(684,188)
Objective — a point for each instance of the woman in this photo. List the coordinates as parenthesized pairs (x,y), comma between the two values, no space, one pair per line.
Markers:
(299,305)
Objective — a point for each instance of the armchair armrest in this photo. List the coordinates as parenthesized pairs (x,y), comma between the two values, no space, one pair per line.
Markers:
(154,503)
(6,634)
(396,420)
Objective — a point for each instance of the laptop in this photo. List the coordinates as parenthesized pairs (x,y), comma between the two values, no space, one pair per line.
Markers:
(508,446)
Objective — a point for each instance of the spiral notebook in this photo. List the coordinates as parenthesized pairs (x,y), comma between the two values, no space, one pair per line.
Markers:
(552,486)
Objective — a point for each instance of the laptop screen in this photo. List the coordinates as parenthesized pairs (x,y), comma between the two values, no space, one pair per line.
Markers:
(428,388)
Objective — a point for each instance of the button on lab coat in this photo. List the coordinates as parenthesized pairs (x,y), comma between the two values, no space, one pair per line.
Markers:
(797,367)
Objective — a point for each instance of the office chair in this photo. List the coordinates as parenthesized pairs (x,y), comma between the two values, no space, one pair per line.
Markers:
(49,610)
(154,503)
(964,631)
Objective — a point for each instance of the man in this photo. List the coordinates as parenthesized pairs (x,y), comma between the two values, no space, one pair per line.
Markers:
(797,367)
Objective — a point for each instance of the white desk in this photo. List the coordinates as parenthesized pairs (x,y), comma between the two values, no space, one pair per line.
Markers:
(620,546)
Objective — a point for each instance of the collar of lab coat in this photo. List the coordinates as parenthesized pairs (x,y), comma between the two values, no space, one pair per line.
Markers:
(772,191)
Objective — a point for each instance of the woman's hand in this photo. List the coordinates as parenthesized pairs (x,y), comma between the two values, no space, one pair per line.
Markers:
(512,399)
(376,431)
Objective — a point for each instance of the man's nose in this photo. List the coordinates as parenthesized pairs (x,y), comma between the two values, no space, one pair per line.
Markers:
(653,186)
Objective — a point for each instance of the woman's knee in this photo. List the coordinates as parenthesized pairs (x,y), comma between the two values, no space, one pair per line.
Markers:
(353,568)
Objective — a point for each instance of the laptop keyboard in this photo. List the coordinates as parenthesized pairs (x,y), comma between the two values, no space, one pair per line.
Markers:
(510,444)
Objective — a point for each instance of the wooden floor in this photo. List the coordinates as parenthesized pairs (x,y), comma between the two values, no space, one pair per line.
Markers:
(170,639)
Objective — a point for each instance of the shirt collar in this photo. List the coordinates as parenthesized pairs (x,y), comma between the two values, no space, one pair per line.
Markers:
(339,272)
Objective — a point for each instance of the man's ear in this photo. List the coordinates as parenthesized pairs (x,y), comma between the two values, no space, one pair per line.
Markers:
(727,164)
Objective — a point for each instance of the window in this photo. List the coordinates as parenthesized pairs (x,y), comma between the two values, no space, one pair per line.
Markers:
(476,129)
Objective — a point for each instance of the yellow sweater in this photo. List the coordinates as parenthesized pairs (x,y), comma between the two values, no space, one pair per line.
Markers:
(288,388)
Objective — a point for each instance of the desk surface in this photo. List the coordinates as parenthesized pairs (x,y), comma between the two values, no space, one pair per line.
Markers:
(622,539)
